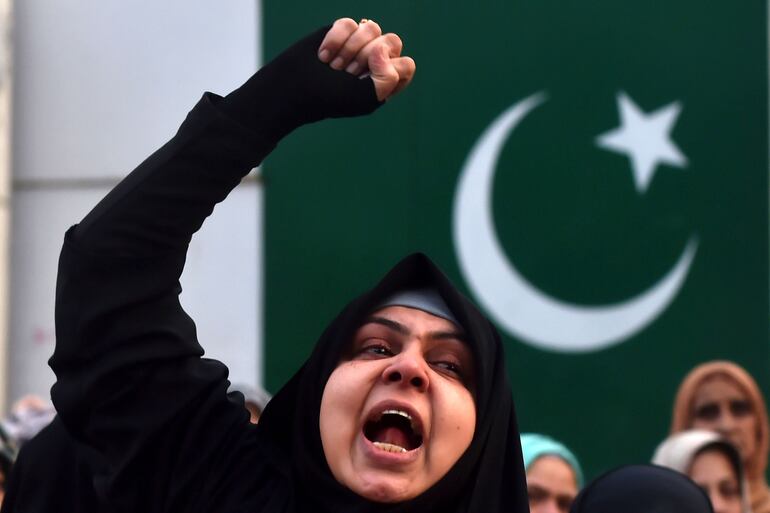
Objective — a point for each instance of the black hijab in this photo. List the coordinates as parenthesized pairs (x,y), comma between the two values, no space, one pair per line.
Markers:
(642,489)
(488,477)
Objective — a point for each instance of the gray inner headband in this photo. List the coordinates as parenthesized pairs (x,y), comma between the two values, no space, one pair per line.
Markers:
(427,300)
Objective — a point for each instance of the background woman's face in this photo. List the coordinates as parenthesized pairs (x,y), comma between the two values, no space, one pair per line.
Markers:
(712,471)
(551,485)
(398,412)
(721,405)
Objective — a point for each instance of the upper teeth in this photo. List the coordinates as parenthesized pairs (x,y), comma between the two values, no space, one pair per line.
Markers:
(398,412)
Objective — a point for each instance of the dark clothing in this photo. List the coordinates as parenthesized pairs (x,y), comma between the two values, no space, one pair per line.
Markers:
(51,475)
(642,489)
(132,381)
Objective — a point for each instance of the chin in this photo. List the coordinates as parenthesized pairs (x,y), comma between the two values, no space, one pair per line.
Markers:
(385,490)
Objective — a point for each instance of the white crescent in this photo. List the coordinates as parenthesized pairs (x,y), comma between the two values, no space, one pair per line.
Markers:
(512,302)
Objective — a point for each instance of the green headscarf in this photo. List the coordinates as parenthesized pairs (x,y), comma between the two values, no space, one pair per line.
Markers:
(533,446)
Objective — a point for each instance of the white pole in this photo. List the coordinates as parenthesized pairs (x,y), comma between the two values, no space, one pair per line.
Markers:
(6,82)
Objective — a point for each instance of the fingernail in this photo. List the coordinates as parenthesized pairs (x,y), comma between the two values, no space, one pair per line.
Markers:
(324,55)
(337,63)
(352,68)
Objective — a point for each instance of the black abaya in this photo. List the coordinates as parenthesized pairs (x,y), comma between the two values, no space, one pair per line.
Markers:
(51,474)
(131,378)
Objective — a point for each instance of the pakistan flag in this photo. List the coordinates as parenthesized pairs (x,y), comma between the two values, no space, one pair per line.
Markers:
(594,175)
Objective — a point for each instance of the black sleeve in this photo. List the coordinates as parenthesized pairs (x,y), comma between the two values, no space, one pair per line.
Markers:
(131,381)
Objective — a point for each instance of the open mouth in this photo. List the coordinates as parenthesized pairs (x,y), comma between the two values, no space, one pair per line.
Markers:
(393,430)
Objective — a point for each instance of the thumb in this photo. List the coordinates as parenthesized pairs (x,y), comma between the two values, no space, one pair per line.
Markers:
(383,73)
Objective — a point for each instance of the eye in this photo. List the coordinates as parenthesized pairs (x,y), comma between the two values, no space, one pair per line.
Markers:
(563,503)
(379,350)
(371,349)
(536,494)
(708,411)
(449,367)
(452,360)
(729,489)
(740,408)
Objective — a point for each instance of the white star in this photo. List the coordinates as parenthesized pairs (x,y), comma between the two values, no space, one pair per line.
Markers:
(645,138)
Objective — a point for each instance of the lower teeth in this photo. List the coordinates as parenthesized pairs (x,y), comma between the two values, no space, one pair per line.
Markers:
(389,447)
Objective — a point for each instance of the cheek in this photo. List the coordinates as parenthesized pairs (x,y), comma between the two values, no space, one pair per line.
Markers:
(338,401)
(468,426)
(750,428)
(457,418)
(341,406)
(703,424)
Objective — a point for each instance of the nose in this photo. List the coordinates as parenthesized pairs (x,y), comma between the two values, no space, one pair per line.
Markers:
(548,506)
(725,424)
(409,370)
(718,502)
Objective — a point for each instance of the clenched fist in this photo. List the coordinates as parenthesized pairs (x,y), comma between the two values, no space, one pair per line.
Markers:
(361,49)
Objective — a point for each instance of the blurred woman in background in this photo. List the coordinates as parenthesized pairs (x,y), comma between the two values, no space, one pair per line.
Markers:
(554,477)
(721,396)
(712,462)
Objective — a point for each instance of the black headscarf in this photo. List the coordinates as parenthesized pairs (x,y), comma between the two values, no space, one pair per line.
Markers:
(642,489)
(489,476)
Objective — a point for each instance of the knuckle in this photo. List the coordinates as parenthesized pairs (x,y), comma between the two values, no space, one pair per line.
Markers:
(347,24)
(373,28)
(411,66)
(346,53)
(394,41)
(392,75)
(405,67)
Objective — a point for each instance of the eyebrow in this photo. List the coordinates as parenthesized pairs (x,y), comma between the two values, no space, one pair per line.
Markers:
(404,330)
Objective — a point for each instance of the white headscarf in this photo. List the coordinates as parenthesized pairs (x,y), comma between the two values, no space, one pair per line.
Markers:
(678,451)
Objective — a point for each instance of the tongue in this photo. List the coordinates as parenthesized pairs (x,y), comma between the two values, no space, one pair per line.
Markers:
(392,435)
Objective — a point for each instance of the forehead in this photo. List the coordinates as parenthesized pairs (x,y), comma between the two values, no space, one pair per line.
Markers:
(713,462)
(718,387)
(415,319)
(552,472)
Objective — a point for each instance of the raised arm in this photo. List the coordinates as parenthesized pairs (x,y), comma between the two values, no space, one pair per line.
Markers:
(223,138)
(131,382)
